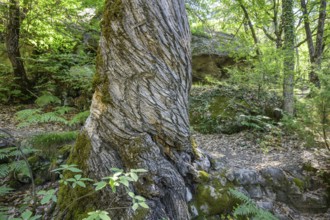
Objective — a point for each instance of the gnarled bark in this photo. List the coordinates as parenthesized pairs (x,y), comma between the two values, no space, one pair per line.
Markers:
(139,112)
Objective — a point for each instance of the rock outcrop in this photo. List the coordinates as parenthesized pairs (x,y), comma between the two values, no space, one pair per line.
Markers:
(291,185)
(210,55)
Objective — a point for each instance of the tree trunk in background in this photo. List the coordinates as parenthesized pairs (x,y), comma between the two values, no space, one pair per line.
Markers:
(315,53)
(12,44)
(308,30)
(319,40)
(139,113)
(253,33)
(289,62)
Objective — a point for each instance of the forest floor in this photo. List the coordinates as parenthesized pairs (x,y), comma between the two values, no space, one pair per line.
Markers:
(239,150)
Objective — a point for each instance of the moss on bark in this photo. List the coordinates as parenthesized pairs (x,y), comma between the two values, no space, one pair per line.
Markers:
(114,12)
(75,203)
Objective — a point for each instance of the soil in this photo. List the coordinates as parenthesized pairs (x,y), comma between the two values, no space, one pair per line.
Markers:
(239,151)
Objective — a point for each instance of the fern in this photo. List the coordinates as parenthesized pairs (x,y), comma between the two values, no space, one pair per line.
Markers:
(79,118)
(15,166)
(248,208)
(25,150)
(61,110)
(3,212)
(240,196)
(19,167)
(5,152)
(14,152)
(46,99)
(4,190)
(26,113)
(259,122)
(36,116)
(4,170)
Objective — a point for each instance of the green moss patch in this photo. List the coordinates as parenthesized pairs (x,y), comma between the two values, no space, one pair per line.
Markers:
(226,109)
(299,183)
(75,203)
(46,140)
(213,110)
(213,199)
(113,11)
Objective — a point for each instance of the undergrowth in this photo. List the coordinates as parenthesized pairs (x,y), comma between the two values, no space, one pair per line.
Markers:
(248,209)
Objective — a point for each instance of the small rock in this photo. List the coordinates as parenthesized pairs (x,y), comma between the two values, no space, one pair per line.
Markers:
(266,204)
(248,177)
(254,191)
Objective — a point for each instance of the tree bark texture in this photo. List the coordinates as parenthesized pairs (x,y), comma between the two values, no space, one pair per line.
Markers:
(12,44)
(320,32)
(315,53)
(139,112)
(308,30)
(289,62)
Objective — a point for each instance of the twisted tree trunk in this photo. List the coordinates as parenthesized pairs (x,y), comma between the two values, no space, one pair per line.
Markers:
(139,112)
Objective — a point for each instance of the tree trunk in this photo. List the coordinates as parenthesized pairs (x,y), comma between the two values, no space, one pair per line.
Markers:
(319,39)
(139,112)
(289,62)
(315,53)
(12,44)
(253,33)
(308,31)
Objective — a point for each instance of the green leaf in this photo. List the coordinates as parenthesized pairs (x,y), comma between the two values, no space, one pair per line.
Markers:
(130,179)
(131,194)
(46,199)
(35,217)
(26,215)
(114,178)
(100,185)
(113,185)
(139,170)
(104,216)
(75,170)
(124,182)
(77,177)
(140,198)
(86,179)
(42,192)
(82,184)
(134,176)
(144,205)
(135,206)
(116,170)
(117,174)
